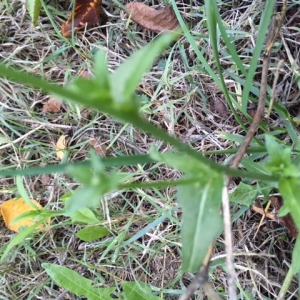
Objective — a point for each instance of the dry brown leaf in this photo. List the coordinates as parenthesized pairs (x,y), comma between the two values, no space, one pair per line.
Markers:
(60,147)
(287,220)
(160,20)
(87,12)
(221,108)
(98,148)
(85,74)
(13,208)
(52,105)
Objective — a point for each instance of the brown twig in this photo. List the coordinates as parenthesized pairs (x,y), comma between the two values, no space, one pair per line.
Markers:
(272,35)
(274,30)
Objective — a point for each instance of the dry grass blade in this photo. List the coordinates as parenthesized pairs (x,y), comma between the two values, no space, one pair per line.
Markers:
(61,146)
(160,20)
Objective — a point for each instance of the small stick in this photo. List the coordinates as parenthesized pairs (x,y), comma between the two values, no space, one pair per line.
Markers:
(228,242)
(262,218)
(274,88)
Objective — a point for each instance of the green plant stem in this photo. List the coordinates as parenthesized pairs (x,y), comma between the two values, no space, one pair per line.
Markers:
(143,124)
(104,104)
(62,168)
(286,283)
(157,184)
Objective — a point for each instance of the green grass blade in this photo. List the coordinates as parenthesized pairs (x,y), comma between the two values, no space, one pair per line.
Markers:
(261,37)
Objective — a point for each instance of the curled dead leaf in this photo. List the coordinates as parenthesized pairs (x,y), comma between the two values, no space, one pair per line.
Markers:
(160,20)
(286,220)
(87,12)
(97,146)
(52,105)
(13,208)
(61,146)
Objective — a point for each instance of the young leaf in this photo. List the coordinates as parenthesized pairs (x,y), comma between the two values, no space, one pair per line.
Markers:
(289,189)
(34,8)
(91,233)
(157,20)
(76,283)
(84,215)
(280,158)
(126,78)
(137,291)
(100,70)
(244,194)
(202,220)
(87,12)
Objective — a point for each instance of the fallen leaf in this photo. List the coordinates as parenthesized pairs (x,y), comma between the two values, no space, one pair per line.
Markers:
(60,147)
(98,148)
(287,220)
(85,74)
(52,105)
(13,208)
(220,108)
(160,20)
(87,12)
(251,109)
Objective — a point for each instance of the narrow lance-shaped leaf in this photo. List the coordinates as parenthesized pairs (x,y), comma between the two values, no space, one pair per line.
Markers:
(137,291)
(34,8)
(91,233)
(126,78)
(76,283)
(202,221)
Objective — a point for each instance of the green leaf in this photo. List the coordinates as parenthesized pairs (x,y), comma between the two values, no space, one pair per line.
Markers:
(100,70)
(202,220)
(94,94)
(126,78)
(96,185)
(244,194)
(263,30)
(252,166)
(289,189)
(75,283)
(91,233)
(280,158)
(296,257)
(137,291)
(34,8)
(83,197)
(84,215)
